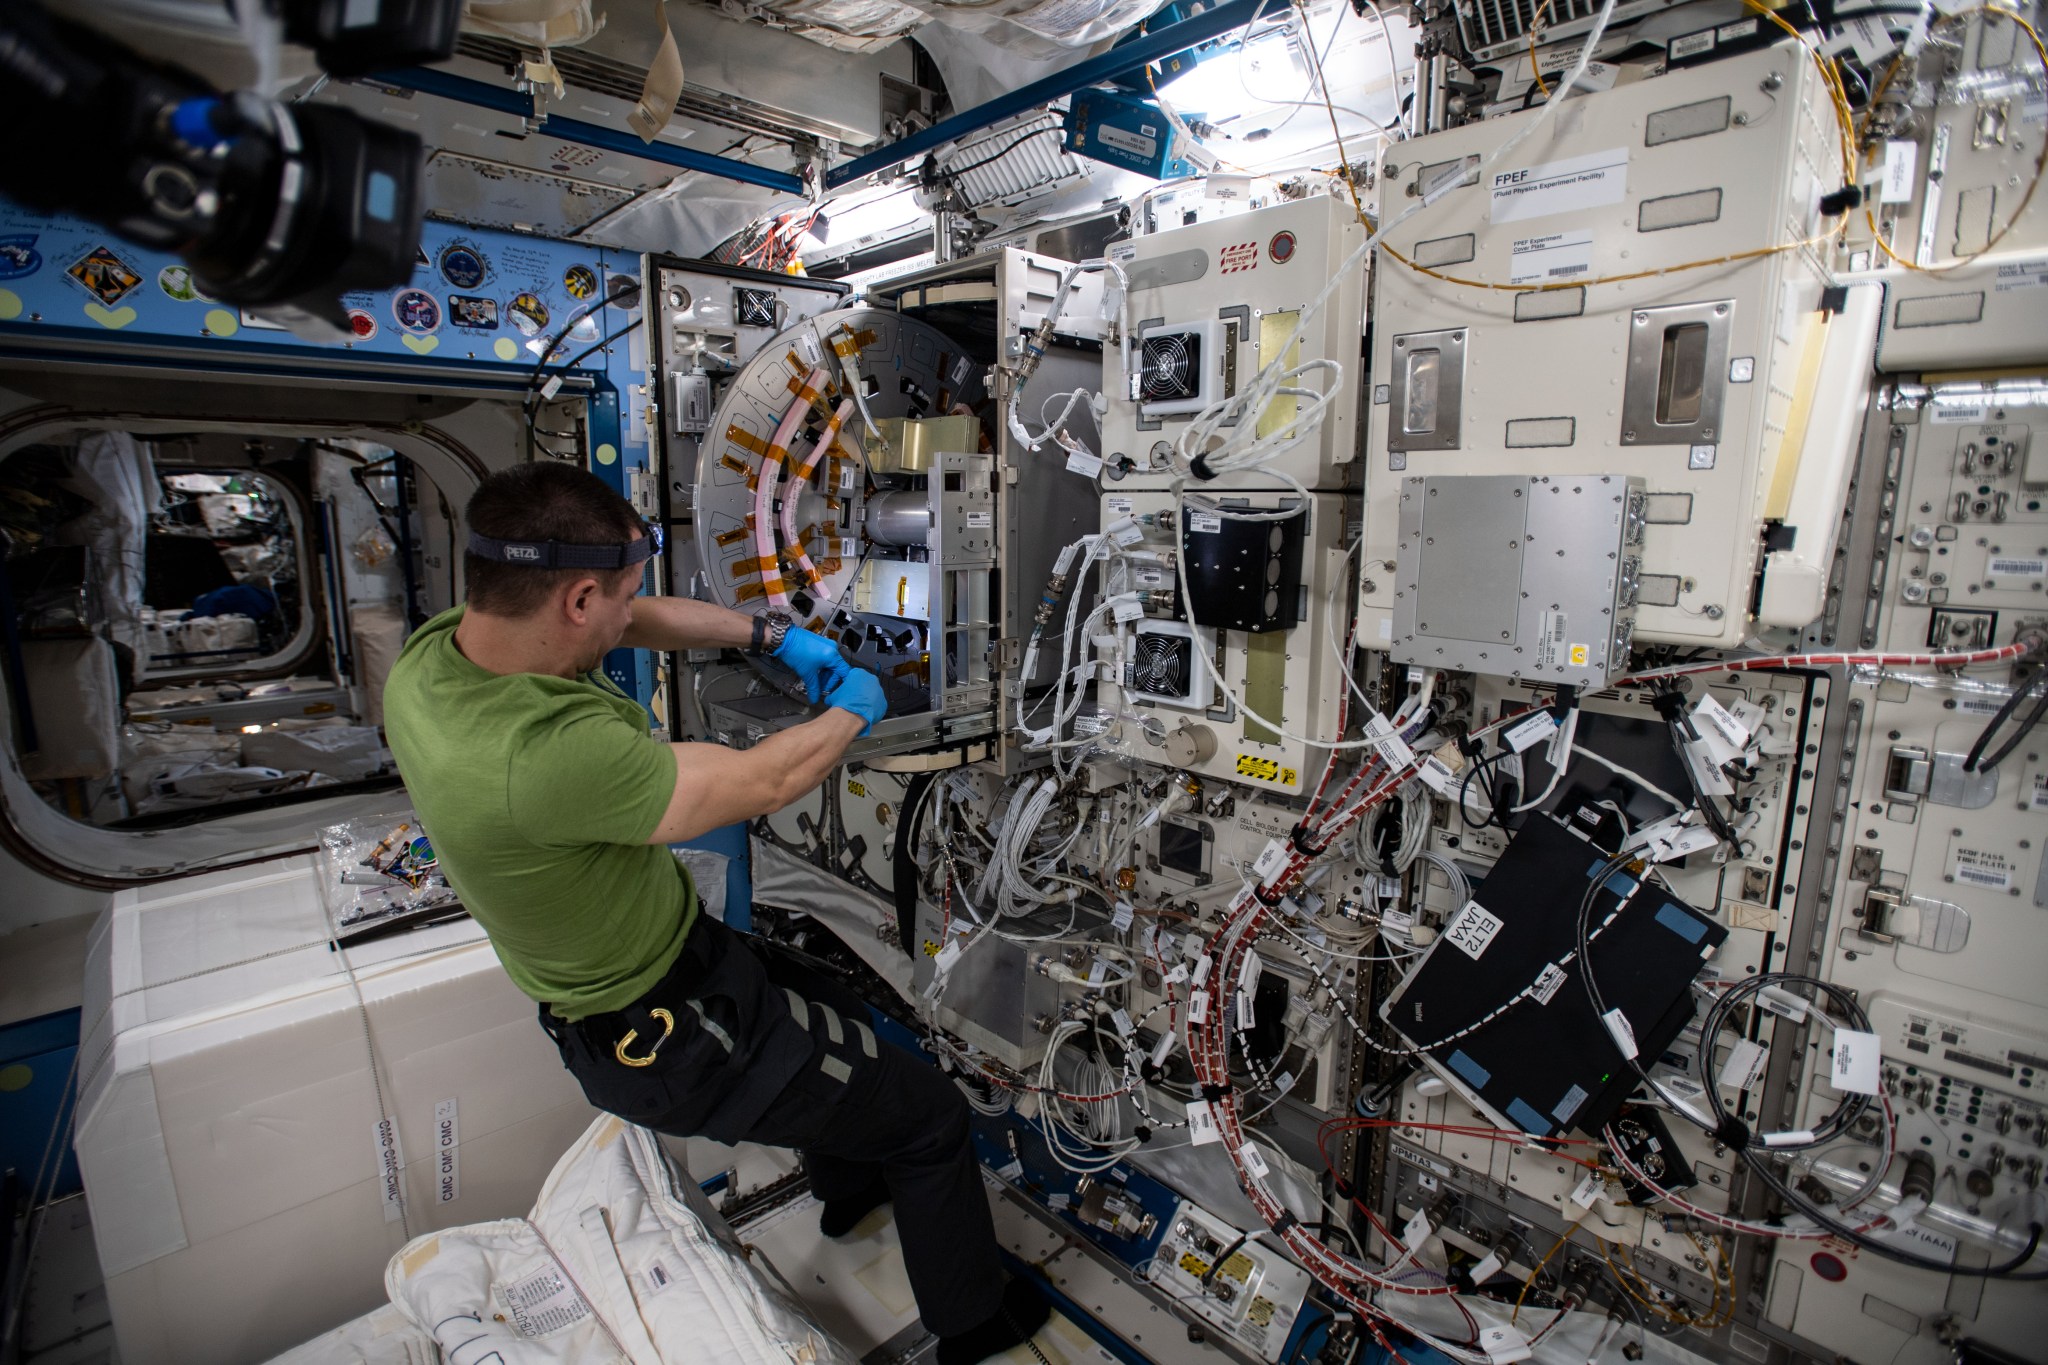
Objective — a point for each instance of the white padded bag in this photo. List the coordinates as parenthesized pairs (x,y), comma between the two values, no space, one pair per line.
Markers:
(615,1265)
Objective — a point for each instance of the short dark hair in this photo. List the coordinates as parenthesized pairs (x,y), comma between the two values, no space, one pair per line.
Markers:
(544,500)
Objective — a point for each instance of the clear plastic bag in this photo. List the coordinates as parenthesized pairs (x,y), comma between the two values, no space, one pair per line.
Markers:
(380,868)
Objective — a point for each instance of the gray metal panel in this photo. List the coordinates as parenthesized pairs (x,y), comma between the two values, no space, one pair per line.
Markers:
(1527,576)
(1470,557)
(994,995)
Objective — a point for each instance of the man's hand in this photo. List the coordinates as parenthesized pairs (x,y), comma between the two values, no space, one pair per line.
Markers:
(816,660)
(860,693)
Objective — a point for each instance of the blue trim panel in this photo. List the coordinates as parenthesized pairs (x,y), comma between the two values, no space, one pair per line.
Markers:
(449,86)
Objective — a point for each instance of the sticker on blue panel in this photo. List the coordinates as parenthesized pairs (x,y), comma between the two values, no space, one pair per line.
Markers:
(473,311)
(19,257)
(464,265)
(580,281)
(416,311)
(529,314)
(584,328)
(104,275)
(177,283)
(361,324)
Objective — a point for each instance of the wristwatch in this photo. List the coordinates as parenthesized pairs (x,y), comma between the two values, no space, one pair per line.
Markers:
(769,628)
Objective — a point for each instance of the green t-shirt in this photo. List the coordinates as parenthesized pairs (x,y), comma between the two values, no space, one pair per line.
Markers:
(539,794)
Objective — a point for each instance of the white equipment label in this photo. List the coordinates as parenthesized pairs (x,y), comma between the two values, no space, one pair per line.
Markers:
(1579,182)
(1855,1062)
(1901,159)
(2008,566)
(1539,726)
(1745,1065)
(543,1303)
(390,1168)
(1393,750)
(2021,274)
(447,1157)
(1472,930)
(1981,868)
(1551,258)
(1137,144)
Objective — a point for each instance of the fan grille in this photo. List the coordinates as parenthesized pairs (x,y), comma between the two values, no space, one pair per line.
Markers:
(1171,366)
(1161,665)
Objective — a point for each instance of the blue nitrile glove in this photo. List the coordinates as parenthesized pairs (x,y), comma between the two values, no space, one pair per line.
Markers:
(860,693)
(815,659)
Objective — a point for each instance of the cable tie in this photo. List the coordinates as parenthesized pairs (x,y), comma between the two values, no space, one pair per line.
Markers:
(1213,1093)
(1300,841)
(1287,1220)
(1732,1132)
(1268,896)
(1199,467)
(1143,1133)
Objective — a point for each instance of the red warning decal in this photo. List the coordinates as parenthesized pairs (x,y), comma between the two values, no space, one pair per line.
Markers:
(1240,256)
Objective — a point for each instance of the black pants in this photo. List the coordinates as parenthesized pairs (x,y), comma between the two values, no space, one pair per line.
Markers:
(758,1048)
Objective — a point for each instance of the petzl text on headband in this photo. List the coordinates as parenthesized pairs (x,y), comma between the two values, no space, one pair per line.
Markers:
(556,554)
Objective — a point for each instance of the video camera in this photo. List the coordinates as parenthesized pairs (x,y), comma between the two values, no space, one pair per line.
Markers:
(280,208)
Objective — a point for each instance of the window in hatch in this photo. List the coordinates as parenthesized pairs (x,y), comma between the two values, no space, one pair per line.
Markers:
(199,624)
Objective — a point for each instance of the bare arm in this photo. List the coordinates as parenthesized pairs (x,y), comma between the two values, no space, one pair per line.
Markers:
(717,786)
(667,623)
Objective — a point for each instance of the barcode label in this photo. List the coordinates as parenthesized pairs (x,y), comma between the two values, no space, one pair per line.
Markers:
(1982,867)
(1393,750)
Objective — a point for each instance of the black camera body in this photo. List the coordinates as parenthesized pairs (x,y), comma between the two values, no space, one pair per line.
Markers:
(278,208)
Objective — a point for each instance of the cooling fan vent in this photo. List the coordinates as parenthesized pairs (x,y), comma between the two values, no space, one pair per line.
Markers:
(1163,667)
(1182,367)
(1172,367)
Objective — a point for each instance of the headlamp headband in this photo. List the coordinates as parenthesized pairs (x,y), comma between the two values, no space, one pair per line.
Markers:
(557,554)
